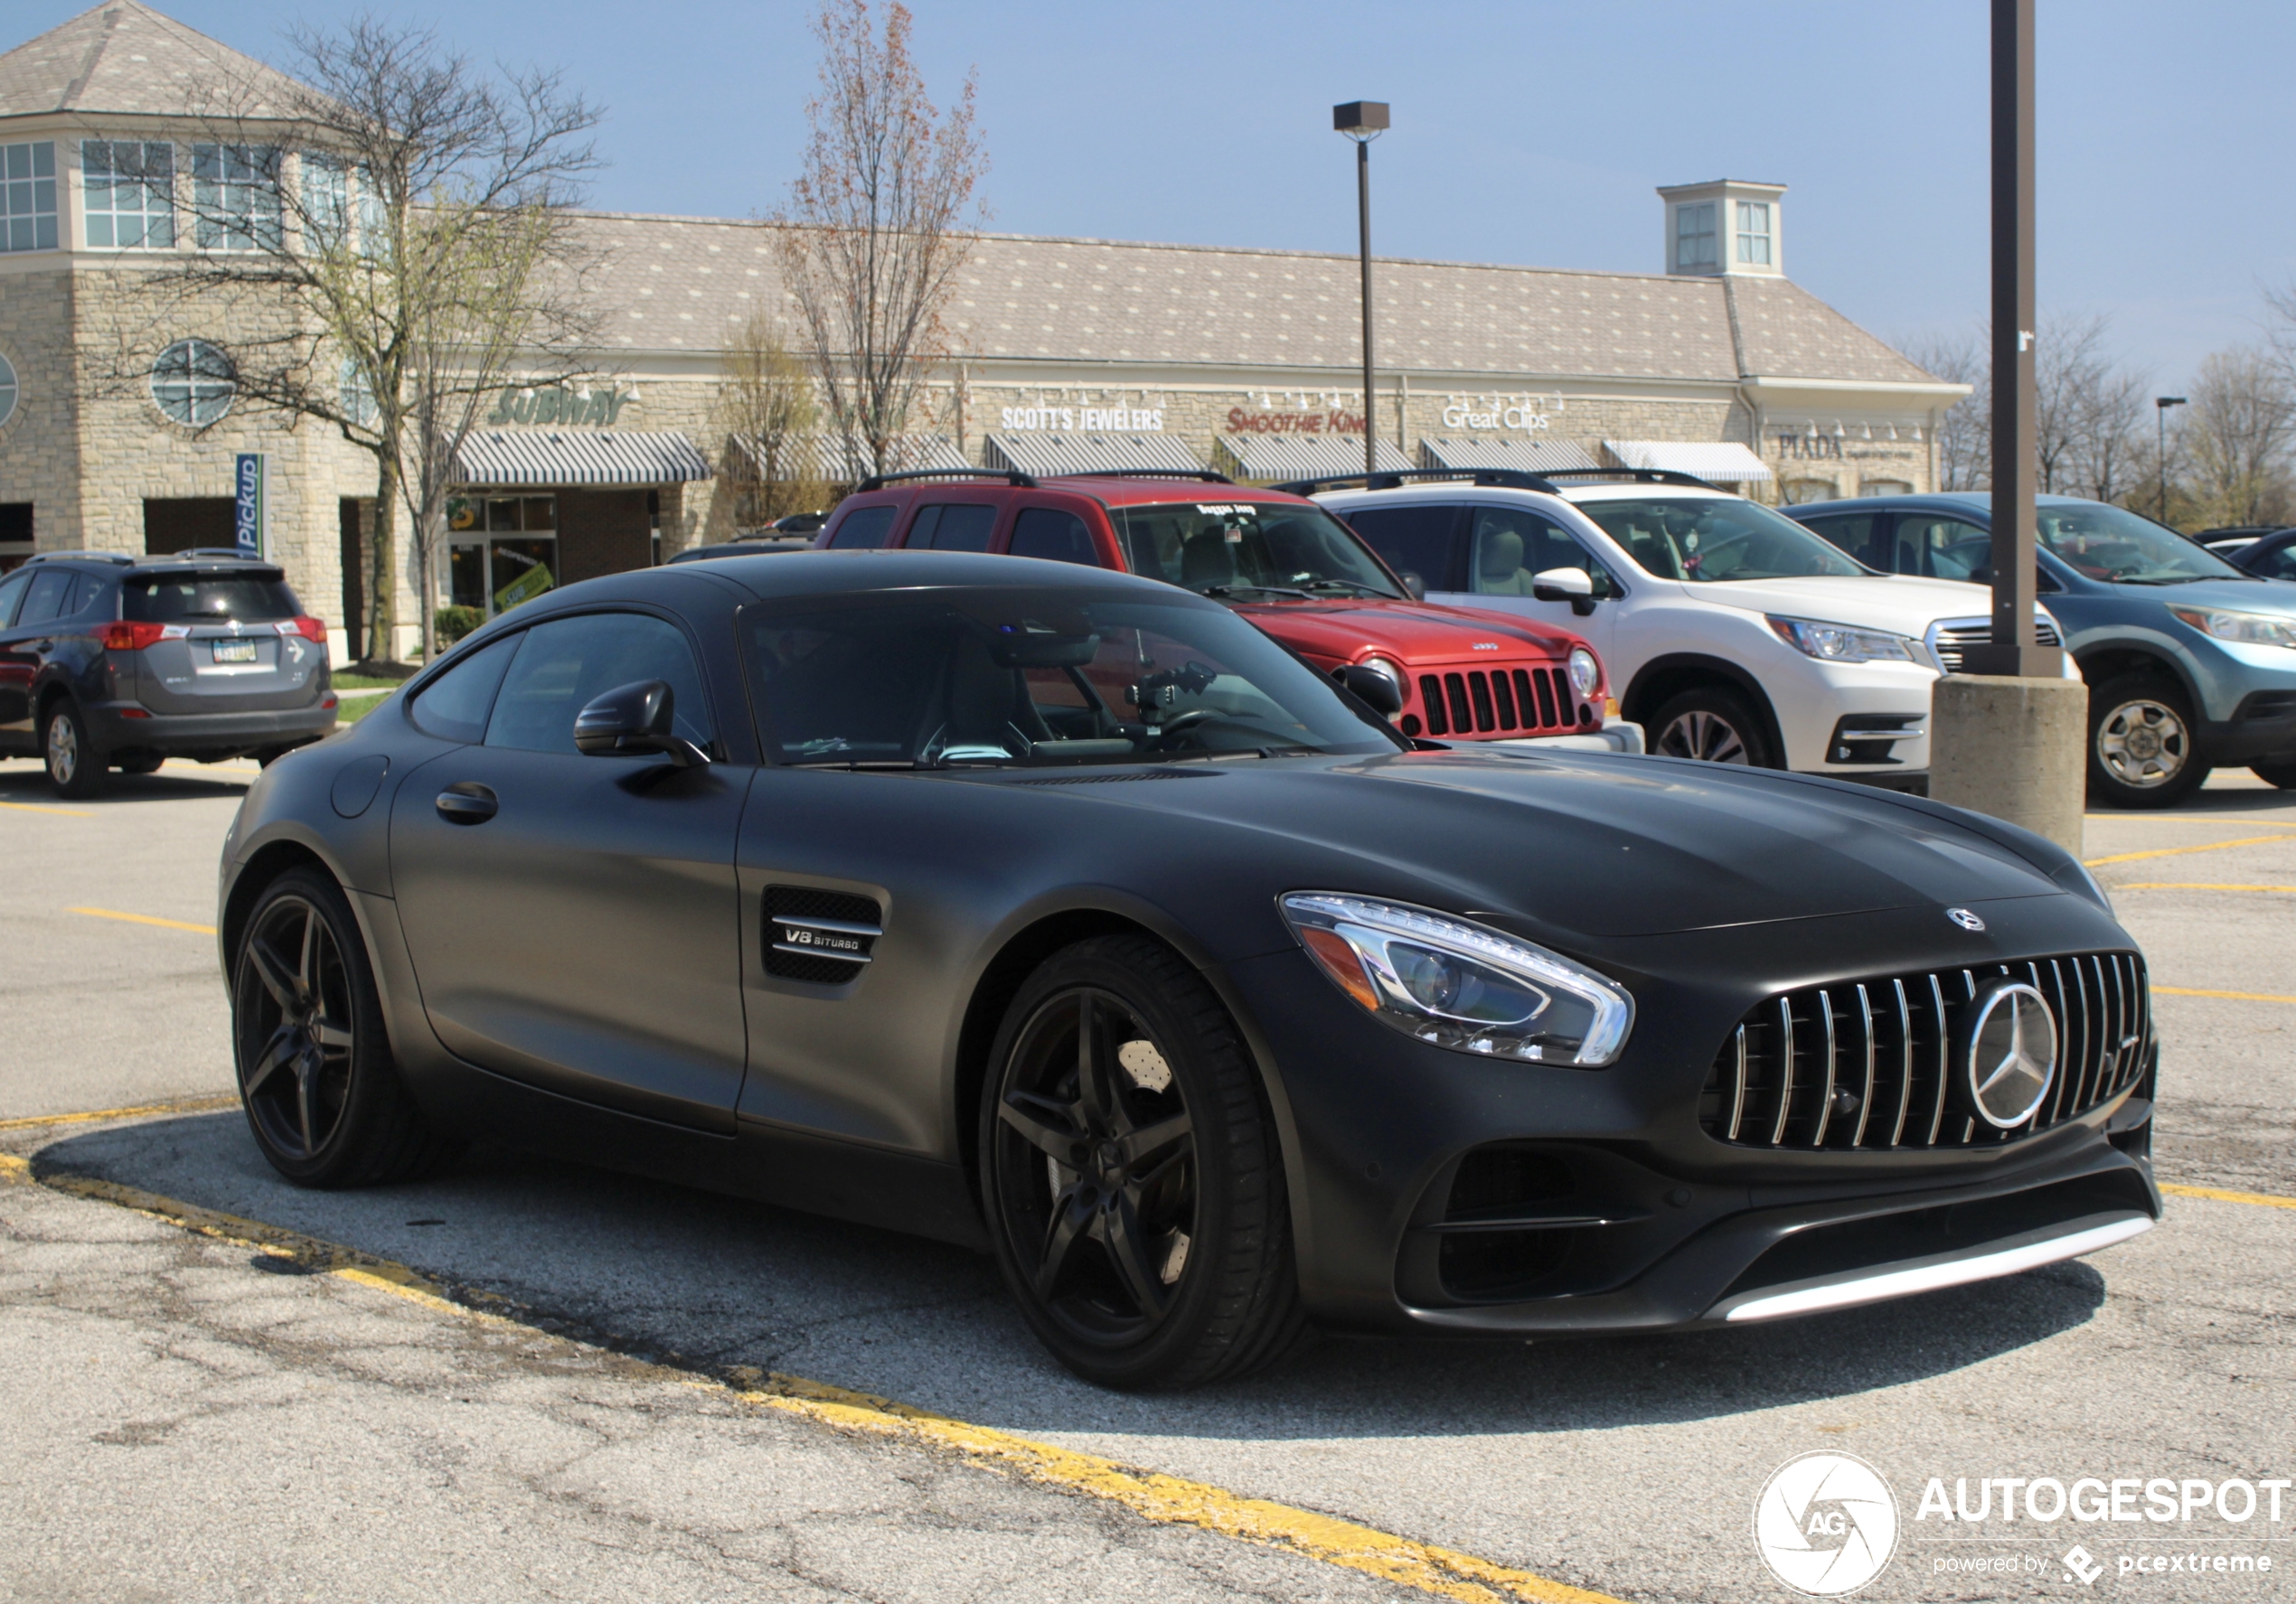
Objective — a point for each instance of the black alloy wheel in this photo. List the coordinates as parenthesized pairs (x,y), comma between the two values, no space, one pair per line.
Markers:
(1131,1176)
(1712,725)
(321,1093)
(75,768)
(2144,748)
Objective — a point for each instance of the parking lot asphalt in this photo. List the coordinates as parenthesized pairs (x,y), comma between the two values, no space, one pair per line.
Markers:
(189,1419)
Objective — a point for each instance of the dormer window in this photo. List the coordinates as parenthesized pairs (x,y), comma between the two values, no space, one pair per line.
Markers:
(1694,236)
(1754,234)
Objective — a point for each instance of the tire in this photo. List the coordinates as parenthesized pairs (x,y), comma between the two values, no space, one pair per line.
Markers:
(2144,748)
(141,762)
(317,1079)
(2282,775)
(1166,1266)
(1713,725)
(75,768)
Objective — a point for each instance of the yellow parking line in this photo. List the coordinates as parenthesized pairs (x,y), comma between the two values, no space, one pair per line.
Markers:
(2193,886)
(1166,1499)
(2263,1199)
(144,919)
(2254,841)
(36,807)
(189,1105)
(2235,996)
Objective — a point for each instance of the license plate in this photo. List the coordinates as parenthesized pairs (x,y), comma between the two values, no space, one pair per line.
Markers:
(234,651)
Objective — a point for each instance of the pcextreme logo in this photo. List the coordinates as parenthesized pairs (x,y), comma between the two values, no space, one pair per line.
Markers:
(1826,1524)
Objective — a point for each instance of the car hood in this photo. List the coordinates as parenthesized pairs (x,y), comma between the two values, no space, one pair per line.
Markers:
(2243,596)
(1410,632)
(1901,604)
(1611,847)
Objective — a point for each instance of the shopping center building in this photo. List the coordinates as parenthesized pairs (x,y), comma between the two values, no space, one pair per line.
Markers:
(1070,354)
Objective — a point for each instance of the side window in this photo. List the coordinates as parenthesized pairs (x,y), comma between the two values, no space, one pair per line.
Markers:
(568,661)
(1941,547)
(12,591)
(2277,565)
(1860,534)
(454,705)
(958,526)
(1511,545)
(85,589)
(1053,535)
(1422,540)
(45,599)
(863,527)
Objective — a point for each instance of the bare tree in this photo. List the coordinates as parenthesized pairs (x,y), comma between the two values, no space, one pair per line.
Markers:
(767,412)
(877,227)
(1965,433)
(2236,439)
(2090,409)
(389,235)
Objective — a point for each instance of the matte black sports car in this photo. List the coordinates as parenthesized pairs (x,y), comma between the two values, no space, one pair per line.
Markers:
(1063,913)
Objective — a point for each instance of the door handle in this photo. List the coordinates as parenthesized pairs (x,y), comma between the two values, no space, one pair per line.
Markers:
(467,803)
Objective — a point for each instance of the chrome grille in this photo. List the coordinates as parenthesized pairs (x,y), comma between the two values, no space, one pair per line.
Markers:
(1948,639)
(1498,702)
(1867,1064)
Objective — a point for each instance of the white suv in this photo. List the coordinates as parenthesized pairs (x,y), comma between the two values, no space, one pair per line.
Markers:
(1732,632)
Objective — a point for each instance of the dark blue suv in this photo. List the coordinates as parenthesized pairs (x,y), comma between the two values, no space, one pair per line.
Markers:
(2191,663)
(115,662)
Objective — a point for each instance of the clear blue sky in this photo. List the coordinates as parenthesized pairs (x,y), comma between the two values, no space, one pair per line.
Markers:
(1526,131)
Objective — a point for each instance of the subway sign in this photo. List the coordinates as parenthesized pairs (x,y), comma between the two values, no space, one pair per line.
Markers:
(558,403)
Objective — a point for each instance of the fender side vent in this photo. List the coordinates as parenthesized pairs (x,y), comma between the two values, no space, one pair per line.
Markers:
(824,938)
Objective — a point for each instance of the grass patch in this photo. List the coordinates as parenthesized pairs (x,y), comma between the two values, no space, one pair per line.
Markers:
(363,682)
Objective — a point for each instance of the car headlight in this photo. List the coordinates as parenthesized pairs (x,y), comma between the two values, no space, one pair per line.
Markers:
(1586,673)
(1462,986)
(1838,642)
(2247,629)
(1385,670)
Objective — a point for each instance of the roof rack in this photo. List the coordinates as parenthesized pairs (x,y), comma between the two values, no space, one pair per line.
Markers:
(232,552)
(1393,478)
(1641,475)
(880,480)
(118,557)
(1203,474)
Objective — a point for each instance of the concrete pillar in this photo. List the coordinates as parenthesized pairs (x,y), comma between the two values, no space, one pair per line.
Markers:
(2016,748)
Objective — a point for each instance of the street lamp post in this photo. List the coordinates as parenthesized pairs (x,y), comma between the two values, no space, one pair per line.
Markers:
(2160,404)
(1364,121)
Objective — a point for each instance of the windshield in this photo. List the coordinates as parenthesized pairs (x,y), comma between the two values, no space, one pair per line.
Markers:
(1250,550)
(2101,543)
(201,598)
(1717,538)
(939,680)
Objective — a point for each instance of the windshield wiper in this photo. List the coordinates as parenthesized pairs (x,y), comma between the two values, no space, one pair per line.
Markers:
(1220,591)
(1356,585)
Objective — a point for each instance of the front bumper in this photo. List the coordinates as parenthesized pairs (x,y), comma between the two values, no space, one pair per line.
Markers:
(1618,736)
(125,727)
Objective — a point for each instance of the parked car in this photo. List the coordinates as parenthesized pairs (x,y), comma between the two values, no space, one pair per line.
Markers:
(1290,567)
(2271,555)
(1736,637)
(1206,1004)
(109,661)
(762,544)
(2228,538)
(2190,661)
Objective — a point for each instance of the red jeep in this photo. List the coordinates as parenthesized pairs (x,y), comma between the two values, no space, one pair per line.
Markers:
(1282,561)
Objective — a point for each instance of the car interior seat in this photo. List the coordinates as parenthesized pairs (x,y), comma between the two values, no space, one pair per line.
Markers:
(1499,564)
(1205,560)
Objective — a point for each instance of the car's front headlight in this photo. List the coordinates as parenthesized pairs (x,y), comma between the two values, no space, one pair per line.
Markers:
(1838,642)
(1385,670)
(1462,986)
(1586,673)
(2247,629)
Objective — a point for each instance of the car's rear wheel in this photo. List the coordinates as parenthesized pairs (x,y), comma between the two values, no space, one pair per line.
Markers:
(1712,724)
(75,768)
(322,1093)
(2144,749)
(1130,1171)
(2282,775)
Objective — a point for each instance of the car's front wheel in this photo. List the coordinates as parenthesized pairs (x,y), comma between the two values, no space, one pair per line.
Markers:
(1712,724)
(75,768)
(316,1078)
(1130,1172)
(2144,749)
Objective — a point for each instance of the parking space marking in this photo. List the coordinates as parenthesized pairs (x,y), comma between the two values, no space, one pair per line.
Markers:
(2262,1199)
(189,1105)
(2194,886)
(144,919)
(2254,841)
(2234,995)
(1166,1499)
(36,807)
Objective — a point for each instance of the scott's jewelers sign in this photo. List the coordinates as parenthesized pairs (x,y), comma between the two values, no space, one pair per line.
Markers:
(1089,420)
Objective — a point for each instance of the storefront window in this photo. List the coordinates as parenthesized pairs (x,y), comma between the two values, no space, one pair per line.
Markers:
(505,550)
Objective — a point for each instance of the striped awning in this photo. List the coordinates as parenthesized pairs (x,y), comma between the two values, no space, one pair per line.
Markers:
(1723,462)
(578,456)
(1297,456)
(825,457)
(1532,457)
(1083,454)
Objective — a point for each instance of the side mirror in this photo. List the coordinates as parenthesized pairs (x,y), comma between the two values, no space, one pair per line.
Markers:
(1415,585)
(634,721)
(1374,690)
(1573,586)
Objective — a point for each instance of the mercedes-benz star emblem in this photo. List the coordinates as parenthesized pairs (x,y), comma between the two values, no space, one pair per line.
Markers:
(2011,1062)
(1965,919)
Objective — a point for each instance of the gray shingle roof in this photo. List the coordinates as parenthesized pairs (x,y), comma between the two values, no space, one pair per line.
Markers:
(679,283)
(122,56)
